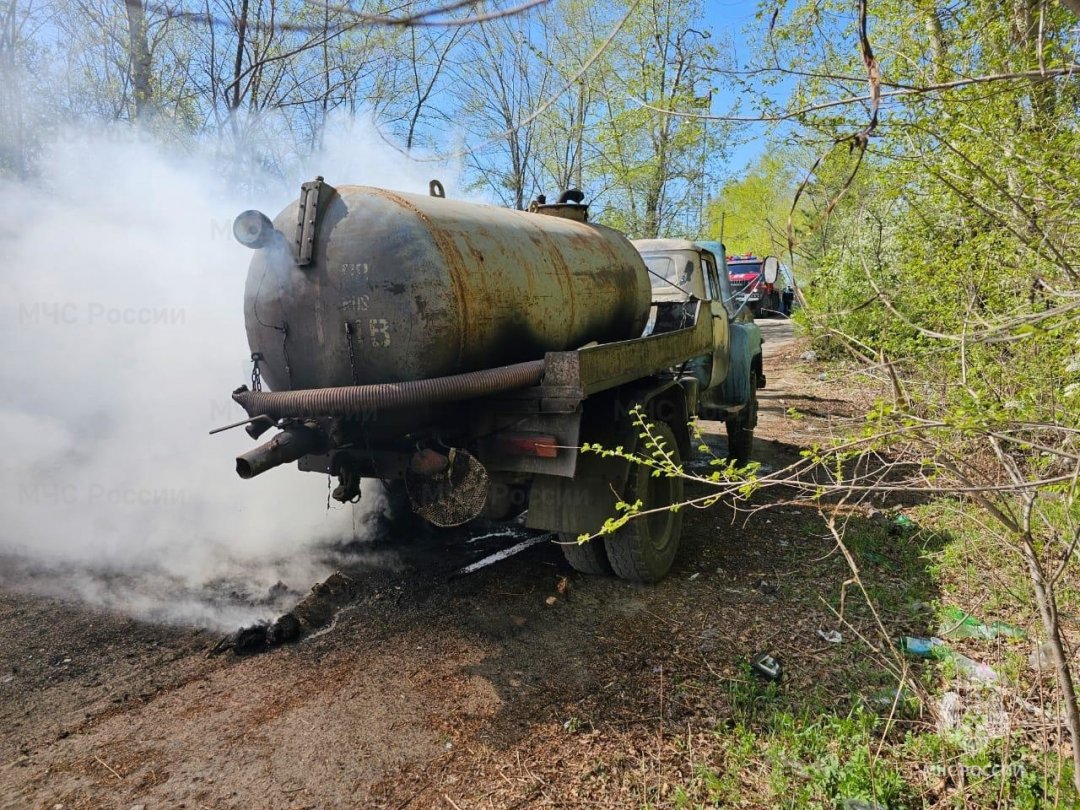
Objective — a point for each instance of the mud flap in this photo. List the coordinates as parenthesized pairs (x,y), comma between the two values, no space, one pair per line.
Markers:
(573,505)
(581,504)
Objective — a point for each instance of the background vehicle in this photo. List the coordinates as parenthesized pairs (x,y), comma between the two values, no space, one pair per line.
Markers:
(750,286)
(464,353)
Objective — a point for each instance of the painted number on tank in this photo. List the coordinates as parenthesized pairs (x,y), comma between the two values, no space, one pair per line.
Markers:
(354,269)
(374,332)
(380,332)
(359,303)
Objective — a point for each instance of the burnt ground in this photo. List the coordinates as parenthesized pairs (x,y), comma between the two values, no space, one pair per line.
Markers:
(431,690)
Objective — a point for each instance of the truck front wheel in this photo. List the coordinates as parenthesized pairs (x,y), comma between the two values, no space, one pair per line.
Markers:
(644,549)
(740,430)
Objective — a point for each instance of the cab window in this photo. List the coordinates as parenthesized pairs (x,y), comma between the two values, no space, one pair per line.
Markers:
(711,280)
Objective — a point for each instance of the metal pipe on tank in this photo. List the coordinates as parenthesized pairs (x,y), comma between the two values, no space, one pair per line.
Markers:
(354,400)
(291,444)
(253,229)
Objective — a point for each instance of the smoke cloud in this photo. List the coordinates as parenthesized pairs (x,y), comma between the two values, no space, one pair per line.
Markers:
(122,331)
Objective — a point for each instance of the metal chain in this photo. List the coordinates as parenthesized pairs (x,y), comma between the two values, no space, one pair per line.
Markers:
(352,357)
(256,374)
(285,351)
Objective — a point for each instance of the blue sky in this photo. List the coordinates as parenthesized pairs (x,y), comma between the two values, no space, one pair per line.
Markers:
(734,21)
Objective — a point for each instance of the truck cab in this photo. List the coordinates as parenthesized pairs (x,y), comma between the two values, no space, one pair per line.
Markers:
(683,270)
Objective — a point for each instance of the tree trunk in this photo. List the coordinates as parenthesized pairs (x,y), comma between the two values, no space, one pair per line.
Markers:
(579,158)
(139,57)
(238,65)
(1047,603)
(12,123)
(936,34)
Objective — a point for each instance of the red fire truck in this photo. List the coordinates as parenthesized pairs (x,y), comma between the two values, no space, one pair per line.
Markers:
(750,287)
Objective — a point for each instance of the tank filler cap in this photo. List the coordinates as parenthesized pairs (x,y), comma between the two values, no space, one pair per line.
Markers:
(570,206)
(253,229)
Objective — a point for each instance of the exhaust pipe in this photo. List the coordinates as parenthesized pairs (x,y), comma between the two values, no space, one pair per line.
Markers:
(289,445)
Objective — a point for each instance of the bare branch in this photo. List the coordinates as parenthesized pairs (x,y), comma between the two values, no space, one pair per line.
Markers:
(419,19)
(1036,75)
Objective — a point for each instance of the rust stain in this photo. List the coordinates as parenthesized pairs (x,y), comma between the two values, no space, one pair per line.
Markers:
(556,251)
(454,262)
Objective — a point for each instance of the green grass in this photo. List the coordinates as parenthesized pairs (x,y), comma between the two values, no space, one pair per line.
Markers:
(973,561)
(769,756)
(807,747)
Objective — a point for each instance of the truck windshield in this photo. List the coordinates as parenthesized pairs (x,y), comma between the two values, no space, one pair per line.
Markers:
(666,270)
(746,269)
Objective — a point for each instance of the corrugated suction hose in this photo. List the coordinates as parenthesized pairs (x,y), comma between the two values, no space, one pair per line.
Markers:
(353,400)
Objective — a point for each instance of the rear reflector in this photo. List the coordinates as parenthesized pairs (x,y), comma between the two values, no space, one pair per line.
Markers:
(527,444)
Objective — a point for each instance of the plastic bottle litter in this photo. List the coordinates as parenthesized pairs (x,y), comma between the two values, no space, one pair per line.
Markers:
(920,647)
(950,710)
(973,670)
(936,648)
(901,524)
(860,804)
(958,624)
(1042,658)
(884,700)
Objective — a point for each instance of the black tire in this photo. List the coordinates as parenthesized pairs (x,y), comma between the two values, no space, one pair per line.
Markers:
(644,549)
(740,431)
(588,558)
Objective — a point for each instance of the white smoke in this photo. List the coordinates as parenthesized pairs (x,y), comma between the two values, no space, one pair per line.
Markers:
(121,328)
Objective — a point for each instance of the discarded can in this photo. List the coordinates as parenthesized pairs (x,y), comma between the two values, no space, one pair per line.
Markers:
(766,666)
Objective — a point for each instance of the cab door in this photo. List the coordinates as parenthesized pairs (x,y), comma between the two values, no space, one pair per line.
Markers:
(720,326)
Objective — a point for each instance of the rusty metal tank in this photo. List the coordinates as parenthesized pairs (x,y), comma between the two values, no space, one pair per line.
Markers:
(357,285)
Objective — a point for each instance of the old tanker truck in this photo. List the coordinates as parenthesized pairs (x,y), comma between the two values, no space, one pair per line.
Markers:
(463,353)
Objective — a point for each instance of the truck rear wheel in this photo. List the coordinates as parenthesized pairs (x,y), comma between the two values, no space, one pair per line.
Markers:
(588,558)
(740,430)
(644,549)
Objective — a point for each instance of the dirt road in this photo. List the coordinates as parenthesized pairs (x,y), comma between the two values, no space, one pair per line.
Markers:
(429,690)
